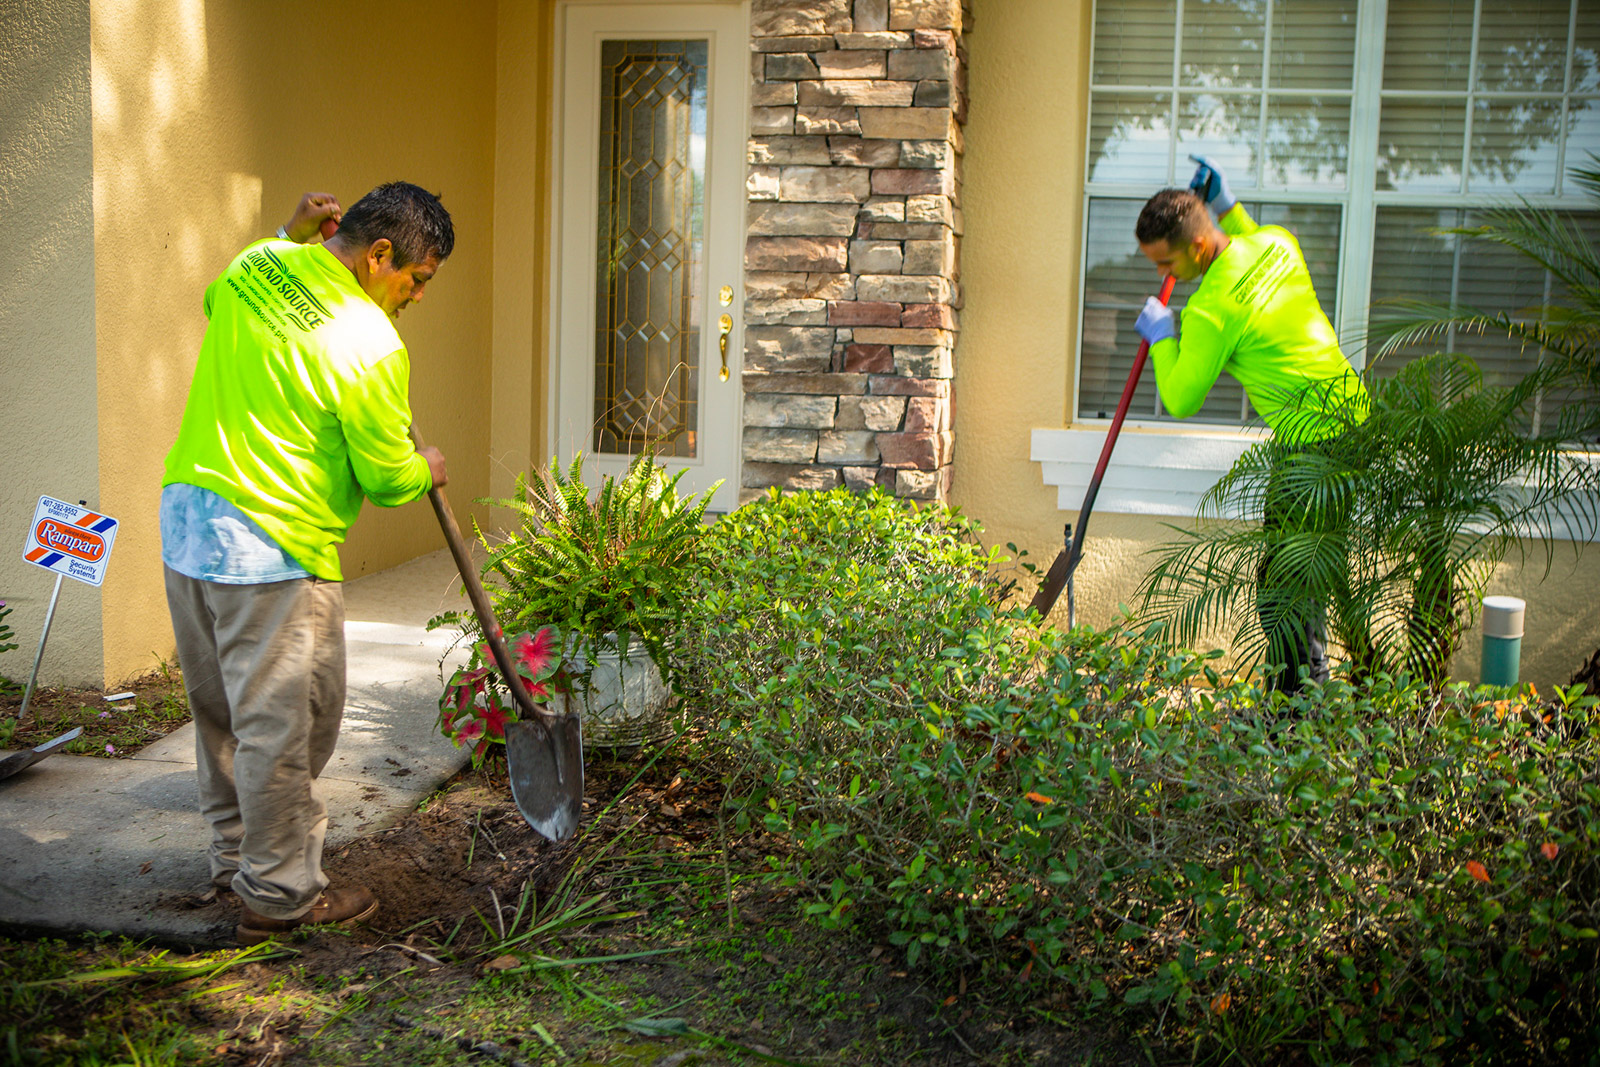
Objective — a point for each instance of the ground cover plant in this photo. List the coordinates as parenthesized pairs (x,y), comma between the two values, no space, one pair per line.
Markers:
(1387,873)
(111,729)
(653,938)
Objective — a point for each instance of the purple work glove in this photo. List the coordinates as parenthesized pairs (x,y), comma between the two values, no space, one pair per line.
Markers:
(1155,322)
(1211,185)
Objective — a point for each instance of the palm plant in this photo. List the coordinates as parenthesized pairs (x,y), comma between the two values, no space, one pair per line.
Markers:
(1396,524)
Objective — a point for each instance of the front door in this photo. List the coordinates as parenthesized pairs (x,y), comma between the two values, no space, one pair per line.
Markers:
(651,217)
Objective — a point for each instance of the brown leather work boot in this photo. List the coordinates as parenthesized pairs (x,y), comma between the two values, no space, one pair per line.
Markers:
(340,907)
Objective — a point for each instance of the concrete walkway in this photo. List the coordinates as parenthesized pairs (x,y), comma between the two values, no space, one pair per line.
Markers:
(119,845)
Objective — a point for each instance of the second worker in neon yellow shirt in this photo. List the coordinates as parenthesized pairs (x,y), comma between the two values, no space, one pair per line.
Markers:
(1256,317)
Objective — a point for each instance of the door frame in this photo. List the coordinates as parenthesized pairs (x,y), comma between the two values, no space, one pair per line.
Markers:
(571,385)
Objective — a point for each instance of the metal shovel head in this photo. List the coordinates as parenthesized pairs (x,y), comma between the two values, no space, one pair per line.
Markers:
(544,759)
(21,760)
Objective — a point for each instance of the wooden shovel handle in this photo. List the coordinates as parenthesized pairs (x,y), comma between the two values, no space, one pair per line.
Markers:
(475,593)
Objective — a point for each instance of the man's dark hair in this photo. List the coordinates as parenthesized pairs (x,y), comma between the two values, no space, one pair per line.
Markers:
(1175,216)
(409,216)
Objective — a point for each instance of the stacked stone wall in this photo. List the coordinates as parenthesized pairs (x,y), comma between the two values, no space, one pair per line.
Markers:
(852,276)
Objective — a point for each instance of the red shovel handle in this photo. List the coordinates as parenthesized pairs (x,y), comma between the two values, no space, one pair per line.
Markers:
(1067,562)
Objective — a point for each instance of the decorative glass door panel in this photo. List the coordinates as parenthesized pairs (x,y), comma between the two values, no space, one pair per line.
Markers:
(651,239)
(651,231)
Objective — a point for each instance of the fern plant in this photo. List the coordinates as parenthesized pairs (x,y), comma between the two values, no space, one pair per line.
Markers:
(1399,522)
(603,566)
(6,644)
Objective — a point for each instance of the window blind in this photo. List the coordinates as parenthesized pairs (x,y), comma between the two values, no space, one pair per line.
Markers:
(1265,89)
(1480,101)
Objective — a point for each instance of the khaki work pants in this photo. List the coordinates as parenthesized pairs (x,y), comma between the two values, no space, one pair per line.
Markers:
(264,668)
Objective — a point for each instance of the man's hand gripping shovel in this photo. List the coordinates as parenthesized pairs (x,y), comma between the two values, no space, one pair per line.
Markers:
(544,749)
(1060,573)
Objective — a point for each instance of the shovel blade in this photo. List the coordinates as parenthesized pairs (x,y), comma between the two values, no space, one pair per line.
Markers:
(544,759)
(22,760)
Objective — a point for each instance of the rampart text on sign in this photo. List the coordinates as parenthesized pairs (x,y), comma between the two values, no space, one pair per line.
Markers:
(70,540)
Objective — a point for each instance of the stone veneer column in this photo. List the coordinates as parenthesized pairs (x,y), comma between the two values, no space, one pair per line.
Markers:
(854,222)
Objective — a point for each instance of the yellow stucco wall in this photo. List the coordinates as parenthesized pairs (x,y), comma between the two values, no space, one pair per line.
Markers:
(47,402)
(522,248)
(210,120)
(1023,206)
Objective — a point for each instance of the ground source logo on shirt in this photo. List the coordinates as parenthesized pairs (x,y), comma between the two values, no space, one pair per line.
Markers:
(1263,277)
(285,293)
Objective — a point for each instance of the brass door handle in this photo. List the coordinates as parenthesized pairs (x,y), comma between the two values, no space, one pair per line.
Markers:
(724,327)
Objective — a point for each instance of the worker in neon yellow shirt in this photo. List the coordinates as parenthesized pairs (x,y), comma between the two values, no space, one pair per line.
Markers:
(1256,317)
(297,413)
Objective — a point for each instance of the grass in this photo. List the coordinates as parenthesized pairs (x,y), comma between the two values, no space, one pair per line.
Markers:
(660,942)
(109,1001)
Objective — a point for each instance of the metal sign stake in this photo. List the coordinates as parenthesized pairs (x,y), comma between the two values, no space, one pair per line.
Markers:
(75,543)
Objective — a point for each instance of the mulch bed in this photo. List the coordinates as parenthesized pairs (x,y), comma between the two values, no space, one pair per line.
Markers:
(112,729)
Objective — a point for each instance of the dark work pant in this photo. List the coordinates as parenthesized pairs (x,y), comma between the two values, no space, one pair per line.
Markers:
(1294,624)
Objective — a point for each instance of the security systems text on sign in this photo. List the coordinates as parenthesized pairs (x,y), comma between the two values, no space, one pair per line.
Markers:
(70,540)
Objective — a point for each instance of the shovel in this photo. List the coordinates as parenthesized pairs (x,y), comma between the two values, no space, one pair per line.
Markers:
(18,761)
(544,750)
(1066,561)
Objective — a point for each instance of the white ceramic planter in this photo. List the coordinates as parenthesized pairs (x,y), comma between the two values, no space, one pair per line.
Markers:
(627,703)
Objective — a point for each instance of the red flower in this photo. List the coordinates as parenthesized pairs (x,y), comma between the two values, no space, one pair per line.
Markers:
(535,652)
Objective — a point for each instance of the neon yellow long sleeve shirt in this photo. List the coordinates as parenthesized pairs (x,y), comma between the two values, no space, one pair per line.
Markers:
(1256,317)
(298,408)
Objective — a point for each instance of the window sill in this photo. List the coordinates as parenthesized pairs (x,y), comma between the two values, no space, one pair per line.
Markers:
(1152,472)
(1162,471)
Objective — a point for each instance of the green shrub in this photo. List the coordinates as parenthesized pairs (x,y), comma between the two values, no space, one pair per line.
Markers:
(805,595)
(1073,810)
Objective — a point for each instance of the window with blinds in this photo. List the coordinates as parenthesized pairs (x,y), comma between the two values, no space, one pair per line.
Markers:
(1363,139)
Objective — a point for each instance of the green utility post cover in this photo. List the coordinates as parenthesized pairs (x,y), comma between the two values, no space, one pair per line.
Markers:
(1502,639)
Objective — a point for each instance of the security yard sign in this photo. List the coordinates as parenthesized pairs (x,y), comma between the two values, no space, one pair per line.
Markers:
(70,540)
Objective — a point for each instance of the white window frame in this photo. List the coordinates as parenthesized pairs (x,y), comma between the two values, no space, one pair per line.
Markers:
(1170,476)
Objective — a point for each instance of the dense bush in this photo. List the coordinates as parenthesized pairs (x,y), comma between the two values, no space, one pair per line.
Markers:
(1378,873)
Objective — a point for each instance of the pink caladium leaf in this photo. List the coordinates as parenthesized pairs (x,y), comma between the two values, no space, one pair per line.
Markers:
(494,722)
(561,680)
(457,693)
(468,730)
(536,654)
